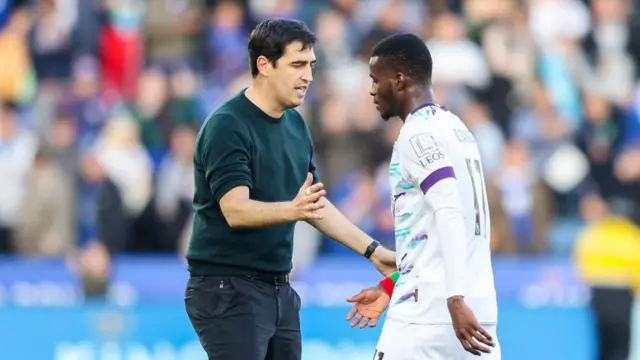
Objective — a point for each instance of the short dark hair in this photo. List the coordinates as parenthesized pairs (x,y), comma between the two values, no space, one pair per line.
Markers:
(406,53)
(271,37)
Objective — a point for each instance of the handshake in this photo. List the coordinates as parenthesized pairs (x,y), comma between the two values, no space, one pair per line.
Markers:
(306,204)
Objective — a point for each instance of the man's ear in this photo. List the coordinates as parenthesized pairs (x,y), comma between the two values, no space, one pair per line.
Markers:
(264,65)
(401,82)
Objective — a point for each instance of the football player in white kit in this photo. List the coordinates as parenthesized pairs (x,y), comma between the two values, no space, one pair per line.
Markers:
(442,301)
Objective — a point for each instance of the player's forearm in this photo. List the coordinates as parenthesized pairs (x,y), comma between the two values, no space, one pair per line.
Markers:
(338,227)
(251,213)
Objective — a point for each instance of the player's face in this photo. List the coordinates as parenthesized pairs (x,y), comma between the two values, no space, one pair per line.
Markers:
(292,76)
(382,89)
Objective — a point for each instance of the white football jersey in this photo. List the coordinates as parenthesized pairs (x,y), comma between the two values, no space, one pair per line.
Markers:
(438,193)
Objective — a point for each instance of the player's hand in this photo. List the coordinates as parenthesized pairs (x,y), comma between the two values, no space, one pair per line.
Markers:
(306,204)
(467,328)
(369,304)
(384,260)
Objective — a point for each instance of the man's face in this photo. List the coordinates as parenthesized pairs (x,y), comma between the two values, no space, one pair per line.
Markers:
(292,76)
(382,89)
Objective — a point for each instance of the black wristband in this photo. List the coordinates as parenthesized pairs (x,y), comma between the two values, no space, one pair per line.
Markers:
(371,248)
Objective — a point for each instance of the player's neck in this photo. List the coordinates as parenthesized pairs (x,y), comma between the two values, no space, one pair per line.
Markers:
(261,96)
(419,97)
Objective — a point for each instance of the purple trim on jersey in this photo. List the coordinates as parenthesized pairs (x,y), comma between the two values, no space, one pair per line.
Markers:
(433,107)
(405,269)
(434,177)
(413,294)
(420,237)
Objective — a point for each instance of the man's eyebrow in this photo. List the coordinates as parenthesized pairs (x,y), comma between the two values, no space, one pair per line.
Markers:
(303,62)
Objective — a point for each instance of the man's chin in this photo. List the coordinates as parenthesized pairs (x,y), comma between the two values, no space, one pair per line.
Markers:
(297,102)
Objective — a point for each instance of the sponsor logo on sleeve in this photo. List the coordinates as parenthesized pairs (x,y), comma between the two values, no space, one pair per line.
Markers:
(426,149)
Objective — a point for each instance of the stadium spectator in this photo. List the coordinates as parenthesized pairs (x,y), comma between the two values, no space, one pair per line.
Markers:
(608,259)
(17,150)
(16,74)
(46,223)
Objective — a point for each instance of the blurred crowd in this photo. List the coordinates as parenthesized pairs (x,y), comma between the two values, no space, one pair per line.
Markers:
(101,101)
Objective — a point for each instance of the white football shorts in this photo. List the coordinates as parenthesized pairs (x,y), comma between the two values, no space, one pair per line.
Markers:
(405,341)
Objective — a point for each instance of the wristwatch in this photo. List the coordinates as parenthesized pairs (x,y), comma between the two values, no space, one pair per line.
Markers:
(371,248)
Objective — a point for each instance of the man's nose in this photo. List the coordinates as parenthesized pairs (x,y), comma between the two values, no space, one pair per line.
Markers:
(307,76)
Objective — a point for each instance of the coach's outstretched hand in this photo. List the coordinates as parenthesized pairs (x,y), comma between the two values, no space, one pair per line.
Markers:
(305,204)
(369,304)
(467,328)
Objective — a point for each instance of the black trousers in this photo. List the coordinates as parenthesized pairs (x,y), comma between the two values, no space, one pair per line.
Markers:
(245,318)
(612,309)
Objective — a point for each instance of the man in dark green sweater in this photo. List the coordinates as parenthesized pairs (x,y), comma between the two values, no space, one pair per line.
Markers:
(255,179)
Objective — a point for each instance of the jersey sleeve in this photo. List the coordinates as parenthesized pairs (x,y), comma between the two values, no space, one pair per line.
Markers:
(425,159)
(225,155)
(313,170)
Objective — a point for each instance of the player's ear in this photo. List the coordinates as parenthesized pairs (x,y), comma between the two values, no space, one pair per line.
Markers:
(400,83)
(264,65)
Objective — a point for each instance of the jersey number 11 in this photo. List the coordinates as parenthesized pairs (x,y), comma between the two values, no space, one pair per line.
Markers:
(474,168)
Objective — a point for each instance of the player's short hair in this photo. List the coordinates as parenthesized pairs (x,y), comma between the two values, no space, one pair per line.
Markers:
(271,37)
(406,53)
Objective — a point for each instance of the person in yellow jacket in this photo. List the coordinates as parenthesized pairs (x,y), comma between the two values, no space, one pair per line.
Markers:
(17,77)
(607,256)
